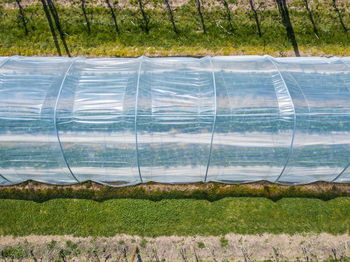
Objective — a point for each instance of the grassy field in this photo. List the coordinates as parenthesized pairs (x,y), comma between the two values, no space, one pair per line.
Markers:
(162,41)
(174,217)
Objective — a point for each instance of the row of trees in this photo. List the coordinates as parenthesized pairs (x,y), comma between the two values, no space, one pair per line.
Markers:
(54,23)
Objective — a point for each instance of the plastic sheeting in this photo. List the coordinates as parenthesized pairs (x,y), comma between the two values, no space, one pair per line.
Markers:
(124,121)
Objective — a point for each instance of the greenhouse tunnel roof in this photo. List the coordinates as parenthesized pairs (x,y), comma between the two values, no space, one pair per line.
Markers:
(123,121)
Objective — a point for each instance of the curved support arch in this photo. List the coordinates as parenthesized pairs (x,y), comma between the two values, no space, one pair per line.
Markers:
(5,61)
(55,117)
(279,93)
(348,165)
(341,60)
(341,173)
(135,123)
(1,65)
(214,121)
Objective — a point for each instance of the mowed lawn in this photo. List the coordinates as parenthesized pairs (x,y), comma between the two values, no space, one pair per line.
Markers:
(174,217)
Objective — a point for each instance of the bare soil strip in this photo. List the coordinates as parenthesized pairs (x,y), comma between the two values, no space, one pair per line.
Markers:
(308,247)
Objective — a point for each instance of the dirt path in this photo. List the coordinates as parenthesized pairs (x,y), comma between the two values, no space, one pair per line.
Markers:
(175,248)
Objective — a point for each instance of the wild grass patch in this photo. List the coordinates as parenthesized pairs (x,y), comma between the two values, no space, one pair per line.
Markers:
(163,41)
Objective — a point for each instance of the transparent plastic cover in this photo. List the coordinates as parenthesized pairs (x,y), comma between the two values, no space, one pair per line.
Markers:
(123,121)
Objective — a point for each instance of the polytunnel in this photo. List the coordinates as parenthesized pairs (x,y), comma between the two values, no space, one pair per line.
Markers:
(123,121)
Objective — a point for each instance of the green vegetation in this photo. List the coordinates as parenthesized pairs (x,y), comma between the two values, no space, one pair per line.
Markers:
(201,245)
(72,248)
(174,217)
(223,241)
(38,192)
(15,252)
(163,41)
(51,245)
(143,243)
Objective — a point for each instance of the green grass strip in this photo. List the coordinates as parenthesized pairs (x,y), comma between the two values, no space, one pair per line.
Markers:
(162,41)
(174,217)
